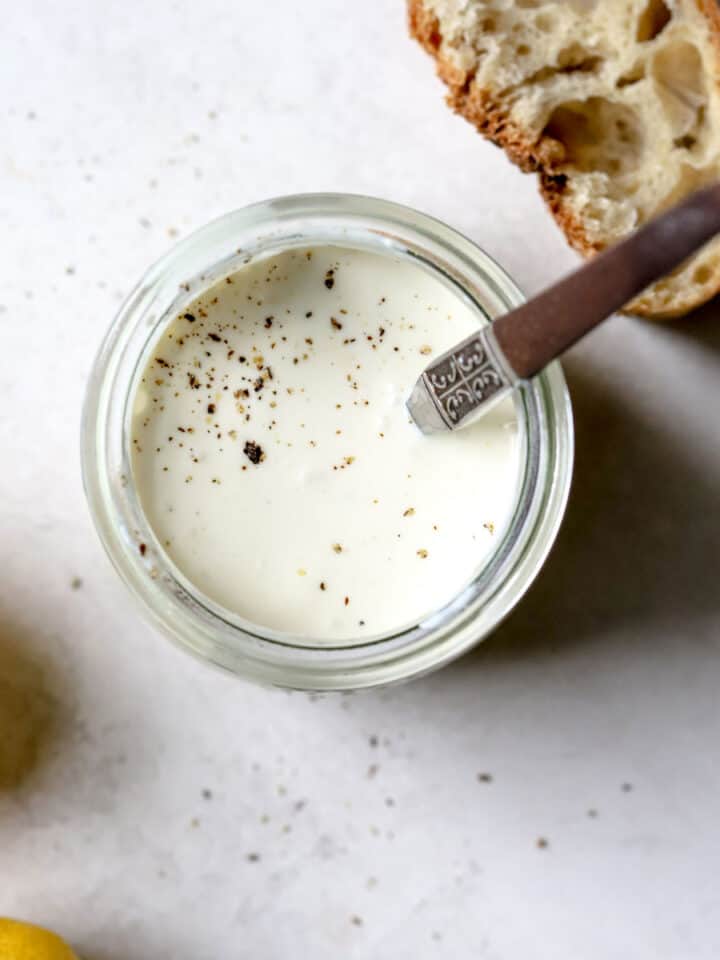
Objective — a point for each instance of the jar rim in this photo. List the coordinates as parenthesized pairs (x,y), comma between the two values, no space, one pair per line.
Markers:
(202,628)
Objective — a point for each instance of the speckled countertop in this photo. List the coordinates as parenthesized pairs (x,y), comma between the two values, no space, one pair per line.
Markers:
(554,794)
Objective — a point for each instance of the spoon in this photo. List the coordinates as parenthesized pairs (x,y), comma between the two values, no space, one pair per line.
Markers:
(467,380)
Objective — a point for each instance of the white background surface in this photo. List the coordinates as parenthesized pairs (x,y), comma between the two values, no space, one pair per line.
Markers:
(125,122)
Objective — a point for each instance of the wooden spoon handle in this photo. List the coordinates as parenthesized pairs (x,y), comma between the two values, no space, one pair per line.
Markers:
(544,327)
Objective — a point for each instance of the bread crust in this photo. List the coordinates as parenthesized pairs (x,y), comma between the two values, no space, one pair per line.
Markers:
(543,156)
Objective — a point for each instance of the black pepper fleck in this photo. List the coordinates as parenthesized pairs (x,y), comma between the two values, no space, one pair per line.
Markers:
(253,451)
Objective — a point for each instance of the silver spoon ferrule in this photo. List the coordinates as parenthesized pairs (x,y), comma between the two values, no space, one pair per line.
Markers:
(462,384)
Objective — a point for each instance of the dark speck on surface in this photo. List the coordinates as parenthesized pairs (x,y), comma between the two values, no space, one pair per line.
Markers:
(626,787)
(207,794)
(253,451)
(76,583)
(373,741)
(356,920)
(541,843)
(484,778)
(253,858)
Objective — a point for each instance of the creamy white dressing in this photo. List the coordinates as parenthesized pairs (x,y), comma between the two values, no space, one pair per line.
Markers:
(278,467)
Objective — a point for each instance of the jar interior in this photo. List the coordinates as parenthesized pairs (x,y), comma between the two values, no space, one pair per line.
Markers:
(170,574)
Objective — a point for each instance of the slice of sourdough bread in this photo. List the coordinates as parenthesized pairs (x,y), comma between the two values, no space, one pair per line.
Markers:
(615,103)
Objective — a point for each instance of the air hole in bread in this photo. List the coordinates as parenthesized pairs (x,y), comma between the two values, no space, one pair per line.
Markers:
(687,142)
(702,274)
(598,135)
(523,50)
(653,20)
(635,75)
(545,22)
(680,82)
(488,25)
(527,4)
(595,210)
(576,58)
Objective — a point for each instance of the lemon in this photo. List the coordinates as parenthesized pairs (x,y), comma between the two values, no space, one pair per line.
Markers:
(23,941)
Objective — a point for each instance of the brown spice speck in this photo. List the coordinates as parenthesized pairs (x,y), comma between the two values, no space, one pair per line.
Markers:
(409,512)
(337,548)
(143,549)
(542,843)
(336,323)
(253,451)
(422,554)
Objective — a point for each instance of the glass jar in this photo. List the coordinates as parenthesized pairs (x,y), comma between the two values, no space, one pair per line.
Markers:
(171,602)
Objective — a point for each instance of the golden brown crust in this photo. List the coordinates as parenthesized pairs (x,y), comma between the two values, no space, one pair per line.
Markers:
(478,106)
(543,156)
(424,26)
(710,9)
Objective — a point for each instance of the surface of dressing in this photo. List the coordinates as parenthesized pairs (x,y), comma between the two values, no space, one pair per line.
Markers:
(278,467)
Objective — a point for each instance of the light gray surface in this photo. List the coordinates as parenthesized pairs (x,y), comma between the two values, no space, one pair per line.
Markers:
(121,122)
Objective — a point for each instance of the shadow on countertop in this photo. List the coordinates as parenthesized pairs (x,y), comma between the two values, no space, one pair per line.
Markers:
(640,542)
(29,712)
(701,326)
